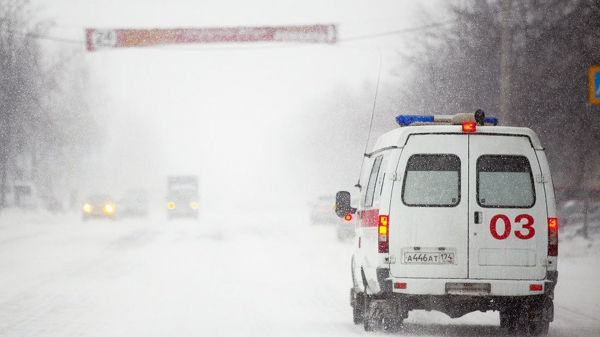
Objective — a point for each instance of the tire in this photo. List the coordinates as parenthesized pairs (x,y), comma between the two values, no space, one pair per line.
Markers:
(380,315)
(369,325)
(357,298)
(358,311)
(369,315)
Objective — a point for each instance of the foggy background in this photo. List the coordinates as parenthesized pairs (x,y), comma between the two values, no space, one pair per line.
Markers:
(260,124)
(279,124)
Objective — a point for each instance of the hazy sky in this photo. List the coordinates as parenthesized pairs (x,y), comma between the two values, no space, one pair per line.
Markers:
(229,113)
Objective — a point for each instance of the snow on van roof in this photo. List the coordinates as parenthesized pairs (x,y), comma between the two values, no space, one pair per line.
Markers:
(397,138)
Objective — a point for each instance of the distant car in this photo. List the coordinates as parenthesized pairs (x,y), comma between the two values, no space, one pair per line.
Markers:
(99,206)
(134,203)
(25,194)
(322,211)
(572,212)
(182,197)
(346,225)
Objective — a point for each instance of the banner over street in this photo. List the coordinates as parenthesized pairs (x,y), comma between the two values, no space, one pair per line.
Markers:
(117,38)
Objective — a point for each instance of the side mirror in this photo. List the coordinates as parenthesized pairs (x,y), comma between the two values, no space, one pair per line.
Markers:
(342,204)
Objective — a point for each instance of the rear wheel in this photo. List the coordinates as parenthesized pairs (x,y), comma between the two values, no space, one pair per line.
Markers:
(370,319)
(357,298)
(382,315)
(358,309)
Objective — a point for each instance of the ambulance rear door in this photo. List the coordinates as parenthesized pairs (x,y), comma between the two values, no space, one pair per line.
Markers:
(428,220)
(507,209)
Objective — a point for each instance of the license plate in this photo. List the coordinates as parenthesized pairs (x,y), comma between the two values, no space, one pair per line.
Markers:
(428,258)
(468,288)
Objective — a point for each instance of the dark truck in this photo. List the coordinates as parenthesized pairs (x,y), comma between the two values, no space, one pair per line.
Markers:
(182,197)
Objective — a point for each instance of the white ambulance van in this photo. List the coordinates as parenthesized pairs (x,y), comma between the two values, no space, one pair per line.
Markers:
(456,215)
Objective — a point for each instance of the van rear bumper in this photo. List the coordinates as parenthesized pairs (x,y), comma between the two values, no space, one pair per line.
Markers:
(469,287)
(466,287)
(457,297)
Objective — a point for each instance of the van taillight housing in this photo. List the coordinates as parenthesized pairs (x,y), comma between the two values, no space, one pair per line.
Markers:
(384,234)
(552,237)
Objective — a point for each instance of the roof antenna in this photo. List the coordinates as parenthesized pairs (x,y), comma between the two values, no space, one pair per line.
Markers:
(480,117)
(371,124)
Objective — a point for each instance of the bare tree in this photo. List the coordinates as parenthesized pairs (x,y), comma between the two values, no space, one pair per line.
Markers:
(44,118)
(458,68)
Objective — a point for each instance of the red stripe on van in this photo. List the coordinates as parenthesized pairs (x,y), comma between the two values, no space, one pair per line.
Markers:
(369,218)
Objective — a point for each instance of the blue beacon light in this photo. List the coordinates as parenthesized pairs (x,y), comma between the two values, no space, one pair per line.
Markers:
(406,120)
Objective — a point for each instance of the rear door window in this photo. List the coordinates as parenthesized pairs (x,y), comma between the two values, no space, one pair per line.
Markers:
(432,180)
(504,182)
(370,194)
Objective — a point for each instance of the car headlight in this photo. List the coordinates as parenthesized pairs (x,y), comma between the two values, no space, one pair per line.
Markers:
(87,208)
(108,208)
(194,205)
(171,205)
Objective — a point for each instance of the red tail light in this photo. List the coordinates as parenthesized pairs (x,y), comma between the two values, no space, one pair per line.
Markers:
(536,287)
(384,234)
(399,285)
(552,237)
(348,217)
(469,127)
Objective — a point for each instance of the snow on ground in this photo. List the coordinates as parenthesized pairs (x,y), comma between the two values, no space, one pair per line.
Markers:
(241,275)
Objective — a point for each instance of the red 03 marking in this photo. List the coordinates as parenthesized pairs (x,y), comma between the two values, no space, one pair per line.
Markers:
(525,220)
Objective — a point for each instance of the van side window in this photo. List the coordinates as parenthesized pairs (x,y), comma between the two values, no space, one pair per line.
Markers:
(370,194)
(504,182)
(432,180)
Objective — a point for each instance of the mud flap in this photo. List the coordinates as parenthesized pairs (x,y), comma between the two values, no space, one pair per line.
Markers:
(548,311)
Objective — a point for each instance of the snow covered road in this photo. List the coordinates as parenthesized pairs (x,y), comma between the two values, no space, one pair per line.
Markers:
(251,275)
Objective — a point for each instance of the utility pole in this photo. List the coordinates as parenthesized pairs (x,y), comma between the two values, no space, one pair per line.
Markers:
(506,46)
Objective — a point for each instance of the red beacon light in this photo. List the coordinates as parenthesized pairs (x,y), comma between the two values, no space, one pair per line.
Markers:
(469,127)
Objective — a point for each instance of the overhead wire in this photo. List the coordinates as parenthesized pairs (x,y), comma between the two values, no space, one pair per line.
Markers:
(399,31)
(44,37)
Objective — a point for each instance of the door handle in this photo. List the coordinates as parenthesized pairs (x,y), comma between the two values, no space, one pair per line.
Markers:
(477,217)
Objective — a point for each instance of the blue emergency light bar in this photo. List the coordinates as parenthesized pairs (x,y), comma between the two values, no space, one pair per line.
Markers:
(406,120)
(491,120)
